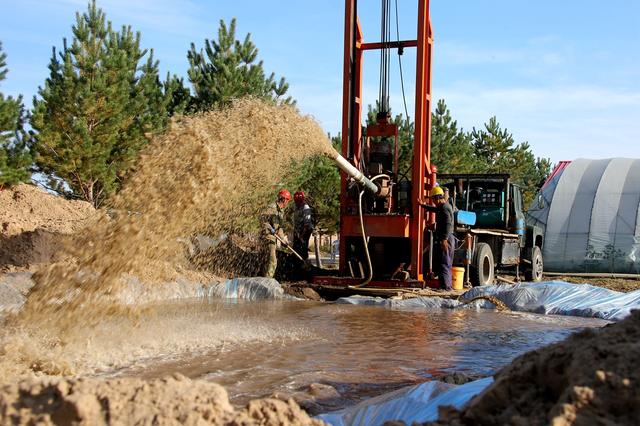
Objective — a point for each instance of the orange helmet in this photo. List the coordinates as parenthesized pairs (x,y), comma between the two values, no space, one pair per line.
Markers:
(298,197)
(284,194)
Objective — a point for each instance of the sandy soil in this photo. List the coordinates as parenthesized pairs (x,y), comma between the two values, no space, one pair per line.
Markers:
(616,284)
(34,225)
(592,377)
(27,208)
(174,400)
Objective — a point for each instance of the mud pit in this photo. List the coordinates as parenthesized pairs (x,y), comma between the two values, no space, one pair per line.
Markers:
(352,352)
(324,356)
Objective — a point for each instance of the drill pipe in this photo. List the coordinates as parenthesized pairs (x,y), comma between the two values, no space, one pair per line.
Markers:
(356,174)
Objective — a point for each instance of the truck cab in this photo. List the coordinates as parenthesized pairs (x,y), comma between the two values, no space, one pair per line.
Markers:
(499,237)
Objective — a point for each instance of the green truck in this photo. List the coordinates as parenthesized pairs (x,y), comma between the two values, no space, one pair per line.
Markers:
(499,239)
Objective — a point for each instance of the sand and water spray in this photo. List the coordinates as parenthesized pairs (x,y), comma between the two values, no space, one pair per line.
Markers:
(212,174)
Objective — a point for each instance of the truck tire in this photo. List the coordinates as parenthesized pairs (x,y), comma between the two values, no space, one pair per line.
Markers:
(534,272)
(482,268)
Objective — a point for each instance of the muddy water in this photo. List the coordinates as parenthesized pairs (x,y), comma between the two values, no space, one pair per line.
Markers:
(361,351)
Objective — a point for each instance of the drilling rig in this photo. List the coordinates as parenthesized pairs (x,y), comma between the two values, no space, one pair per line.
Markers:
(382,224)
(385,234)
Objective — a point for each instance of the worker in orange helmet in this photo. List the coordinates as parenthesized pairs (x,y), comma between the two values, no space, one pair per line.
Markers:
(272,220)
(303,225)
(444,241)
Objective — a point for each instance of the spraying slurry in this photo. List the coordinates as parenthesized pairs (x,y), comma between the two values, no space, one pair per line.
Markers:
(211,173)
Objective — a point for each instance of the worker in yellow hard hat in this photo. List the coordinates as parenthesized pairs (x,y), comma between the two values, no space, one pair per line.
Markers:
(444,241)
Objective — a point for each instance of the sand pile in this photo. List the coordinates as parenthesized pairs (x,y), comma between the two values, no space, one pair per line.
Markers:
(35,224)
(26,208)
(174,400)
(592,377)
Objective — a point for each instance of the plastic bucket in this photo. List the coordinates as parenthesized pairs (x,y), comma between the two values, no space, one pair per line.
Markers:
(457,275)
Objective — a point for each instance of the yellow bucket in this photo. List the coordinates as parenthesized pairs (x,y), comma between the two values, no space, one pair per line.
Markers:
(457,274)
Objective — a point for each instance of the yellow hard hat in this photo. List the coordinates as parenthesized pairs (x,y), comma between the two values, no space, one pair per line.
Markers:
(436,190)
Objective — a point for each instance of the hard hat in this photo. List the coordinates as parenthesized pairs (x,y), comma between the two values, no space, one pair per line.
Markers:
(298,197)
(284,194)
(437,191)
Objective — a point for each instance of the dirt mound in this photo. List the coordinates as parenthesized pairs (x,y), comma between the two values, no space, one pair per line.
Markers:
(593,377)
(34,225)
(26,208)
(30,248)
(174,400)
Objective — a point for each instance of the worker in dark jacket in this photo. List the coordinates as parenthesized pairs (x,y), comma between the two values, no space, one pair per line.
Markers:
(303,225)
(443,241)
(272,220)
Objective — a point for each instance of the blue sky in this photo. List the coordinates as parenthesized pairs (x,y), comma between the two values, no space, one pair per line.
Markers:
(562,75)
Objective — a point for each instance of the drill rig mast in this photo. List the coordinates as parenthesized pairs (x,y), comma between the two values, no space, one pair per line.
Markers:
(382,235)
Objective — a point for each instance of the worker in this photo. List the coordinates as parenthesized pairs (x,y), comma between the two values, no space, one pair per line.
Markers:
(303,225)
(444,241)
(272,220)
(448,200)
(335,249)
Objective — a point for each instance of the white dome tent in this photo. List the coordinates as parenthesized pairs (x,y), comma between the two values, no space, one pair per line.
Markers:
(589,210)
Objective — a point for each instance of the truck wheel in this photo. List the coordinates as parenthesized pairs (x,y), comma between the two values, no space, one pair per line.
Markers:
(534,271)
(482,268)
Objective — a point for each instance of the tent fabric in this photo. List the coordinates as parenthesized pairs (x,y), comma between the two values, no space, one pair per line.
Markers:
(590,213)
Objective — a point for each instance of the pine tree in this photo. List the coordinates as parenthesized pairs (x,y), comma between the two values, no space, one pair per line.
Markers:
(15,159)
(97,107)
(178,95)
(451,149)
(226,69)
(497,148)
(494,145)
